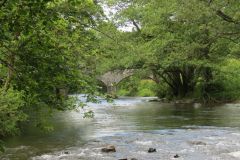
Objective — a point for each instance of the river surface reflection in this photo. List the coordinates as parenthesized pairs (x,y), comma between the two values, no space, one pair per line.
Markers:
(133,125)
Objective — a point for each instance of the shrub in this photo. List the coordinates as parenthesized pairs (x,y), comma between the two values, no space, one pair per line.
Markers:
(10,112)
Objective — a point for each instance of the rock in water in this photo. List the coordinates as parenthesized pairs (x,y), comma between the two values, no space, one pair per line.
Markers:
(133,158)
(151,150)
(109,148)
(197,143)
(176,156)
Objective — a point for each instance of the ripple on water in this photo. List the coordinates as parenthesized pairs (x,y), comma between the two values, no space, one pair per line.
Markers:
(235,154)
(133,127)
(135,145)
(148,143)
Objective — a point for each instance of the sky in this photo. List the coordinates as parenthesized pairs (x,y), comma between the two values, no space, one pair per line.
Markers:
(110,12)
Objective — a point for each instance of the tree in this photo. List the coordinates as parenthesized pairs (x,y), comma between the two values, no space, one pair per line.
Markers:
(183,42)
(45,48)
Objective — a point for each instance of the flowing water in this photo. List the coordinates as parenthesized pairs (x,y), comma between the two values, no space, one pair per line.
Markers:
(133,125)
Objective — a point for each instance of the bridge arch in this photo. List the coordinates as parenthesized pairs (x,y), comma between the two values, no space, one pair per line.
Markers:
(112,78)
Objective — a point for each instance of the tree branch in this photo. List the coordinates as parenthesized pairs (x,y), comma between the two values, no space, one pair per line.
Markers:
(165,79)
(6,64)
(136,25)
(226,17)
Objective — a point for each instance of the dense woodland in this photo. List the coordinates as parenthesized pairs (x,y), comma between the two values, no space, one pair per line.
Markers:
(192,47)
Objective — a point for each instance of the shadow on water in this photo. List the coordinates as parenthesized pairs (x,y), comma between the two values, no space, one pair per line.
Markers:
(152,116)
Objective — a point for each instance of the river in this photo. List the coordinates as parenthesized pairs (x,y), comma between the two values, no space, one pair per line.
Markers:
(133,125)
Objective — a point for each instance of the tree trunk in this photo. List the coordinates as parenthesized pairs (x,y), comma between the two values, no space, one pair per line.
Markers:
(180,80)
(10,72)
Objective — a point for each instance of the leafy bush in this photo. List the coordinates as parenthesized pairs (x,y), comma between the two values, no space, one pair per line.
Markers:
(136,87)
(146,88)
(146,93)
(224,87)
(10,112)
(163,91)
(229,78)
(123,92)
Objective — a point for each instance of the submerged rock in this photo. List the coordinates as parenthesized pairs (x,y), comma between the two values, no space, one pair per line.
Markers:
(151,150)
(123,159)
(176,156)
(111,96)
(109,148)
(185,101)
(155,100)
(66,152)
(197,143)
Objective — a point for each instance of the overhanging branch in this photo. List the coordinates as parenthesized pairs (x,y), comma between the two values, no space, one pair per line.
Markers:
(226,17)
(136,25)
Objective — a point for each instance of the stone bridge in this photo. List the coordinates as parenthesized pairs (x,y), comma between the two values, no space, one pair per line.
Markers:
(112,78)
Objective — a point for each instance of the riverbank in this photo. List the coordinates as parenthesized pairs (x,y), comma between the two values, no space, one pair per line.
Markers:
(192,101)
